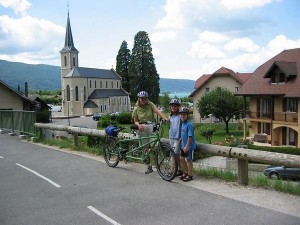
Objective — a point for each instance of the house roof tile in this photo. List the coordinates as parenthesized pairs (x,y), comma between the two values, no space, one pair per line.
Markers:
(288,61)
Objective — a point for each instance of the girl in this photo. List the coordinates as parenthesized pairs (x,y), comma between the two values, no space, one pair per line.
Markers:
(175,129)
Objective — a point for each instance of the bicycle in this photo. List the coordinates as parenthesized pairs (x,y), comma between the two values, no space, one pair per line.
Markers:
(124,147)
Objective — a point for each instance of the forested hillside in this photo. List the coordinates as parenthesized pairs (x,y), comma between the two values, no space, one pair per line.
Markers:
(47,77)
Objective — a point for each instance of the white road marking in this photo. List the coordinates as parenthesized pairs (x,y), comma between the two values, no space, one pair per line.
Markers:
(1,157)
(103,215)
(41,176)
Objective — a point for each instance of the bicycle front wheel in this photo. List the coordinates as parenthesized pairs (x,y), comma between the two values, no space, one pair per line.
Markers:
(111,152)
(166,163)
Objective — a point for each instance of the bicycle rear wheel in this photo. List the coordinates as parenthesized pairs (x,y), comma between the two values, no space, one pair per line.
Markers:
(166,163)
(111,152)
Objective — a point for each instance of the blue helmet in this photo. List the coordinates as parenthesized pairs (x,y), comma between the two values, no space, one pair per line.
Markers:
(112,130)
(142,94)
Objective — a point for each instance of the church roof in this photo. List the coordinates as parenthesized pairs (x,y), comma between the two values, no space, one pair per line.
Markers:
(93,73)
(90,104)
(69,44)
(105,93)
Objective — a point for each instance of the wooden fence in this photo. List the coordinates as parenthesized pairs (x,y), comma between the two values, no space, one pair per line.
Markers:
(242,155)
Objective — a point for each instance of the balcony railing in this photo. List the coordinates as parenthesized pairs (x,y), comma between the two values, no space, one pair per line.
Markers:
(278,116)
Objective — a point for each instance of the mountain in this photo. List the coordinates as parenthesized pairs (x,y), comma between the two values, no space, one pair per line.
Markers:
(47,77)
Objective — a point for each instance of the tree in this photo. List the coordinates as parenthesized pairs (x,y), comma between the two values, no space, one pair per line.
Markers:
(165,100)
(142,71)
(123,60)
(222,103)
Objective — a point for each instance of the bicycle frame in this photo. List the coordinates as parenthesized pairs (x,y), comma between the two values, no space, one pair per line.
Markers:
(122,148)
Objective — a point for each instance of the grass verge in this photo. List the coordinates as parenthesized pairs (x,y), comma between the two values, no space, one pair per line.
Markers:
(225,175)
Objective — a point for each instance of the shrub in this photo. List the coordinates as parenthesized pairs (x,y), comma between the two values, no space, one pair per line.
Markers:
(43,116)
(124,118)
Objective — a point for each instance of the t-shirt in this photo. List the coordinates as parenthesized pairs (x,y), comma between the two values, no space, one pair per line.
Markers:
(187,130)
(144,113)
(175,126)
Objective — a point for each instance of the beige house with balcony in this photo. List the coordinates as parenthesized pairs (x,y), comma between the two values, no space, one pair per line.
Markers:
(223,77)
(274,93)
(86,91)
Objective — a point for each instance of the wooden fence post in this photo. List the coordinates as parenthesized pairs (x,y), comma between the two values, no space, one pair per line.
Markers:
(243,171)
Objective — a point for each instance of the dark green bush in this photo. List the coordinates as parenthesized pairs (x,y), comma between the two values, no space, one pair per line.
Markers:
(43,116)
(105,121)
(124,118)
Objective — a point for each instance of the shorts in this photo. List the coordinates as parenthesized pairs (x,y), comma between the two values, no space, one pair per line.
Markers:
(175,145)
(188,155)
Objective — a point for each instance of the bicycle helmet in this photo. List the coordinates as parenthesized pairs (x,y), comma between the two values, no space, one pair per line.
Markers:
(184,110)
(112,130)
(174,101)
(142,94)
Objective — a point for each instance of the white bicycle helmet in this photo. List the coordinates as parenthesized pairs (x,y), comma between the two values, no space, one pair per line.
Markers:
(142,94)
(174,101)
(184,110)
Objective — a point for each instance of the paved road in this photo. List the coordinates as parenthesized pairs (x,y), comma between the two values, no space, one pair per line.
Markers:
(40,185)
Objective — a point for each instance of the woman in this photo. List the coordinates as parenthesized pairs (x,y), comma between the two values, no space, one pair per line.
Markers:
(143,116)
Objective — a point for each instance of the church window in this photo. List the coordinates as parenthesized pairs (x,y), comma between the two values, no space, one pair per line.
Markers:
(95,84)
(100,83)
(84,93)
(90,84)
(68,93)
(76,94)
(117,84)
(65,60)
(124,101)
(112,84)
(74,62)
(106,84)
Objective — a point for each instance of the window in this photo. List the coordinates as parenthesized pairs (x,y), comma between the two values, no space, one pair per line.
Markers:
(100,83)
(266,128)
(84,93)
(266,107)
(277,78)
(206,90)
(117,84)
(76,94)
(90,84)
(68,93)
(95,84)
(292,105)
(65,60)
(106,84)
(74,62)
(112,84)
(236,89)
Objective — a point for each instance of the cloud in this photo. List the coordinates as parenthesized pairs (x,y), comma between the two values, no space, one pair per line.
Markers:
(163,36)
(19,6)
(244,4)
(29,37)
(244,55)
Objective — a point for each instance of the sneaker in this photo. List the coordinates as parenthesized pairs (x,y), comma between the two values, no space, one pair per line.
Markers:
(149,170)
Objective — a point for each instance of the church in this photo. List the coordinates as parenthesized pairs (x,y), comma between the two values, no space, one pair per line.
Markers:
(86,91)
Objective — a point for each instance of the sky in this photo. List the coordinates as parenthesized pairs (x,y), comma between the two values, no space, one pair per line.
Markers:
(189,38)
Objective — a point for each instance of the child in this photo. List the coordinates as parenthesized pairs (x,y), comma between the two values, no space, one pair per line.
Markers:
(174,132)
(188,145)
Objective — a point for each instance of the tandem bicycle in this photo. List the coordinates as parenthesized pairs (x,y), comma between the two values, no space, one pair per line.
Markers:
(124,147)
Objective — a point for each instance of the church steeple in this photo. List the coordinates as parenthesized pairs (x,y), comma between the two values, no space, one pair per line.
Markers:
(69,54)
(69,44)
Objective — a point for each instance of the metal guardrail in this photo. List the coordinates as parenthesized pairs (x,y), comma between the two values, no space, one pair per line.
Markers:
(18,120)
(241,154)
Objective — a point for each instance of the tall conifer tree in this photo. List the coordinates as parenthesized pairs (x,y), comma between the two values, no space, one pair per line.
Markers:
(123,60)
(143,75)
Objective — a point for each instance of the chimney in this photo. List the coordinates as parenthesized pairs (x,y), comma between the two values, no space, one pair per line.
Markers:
(26,89)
